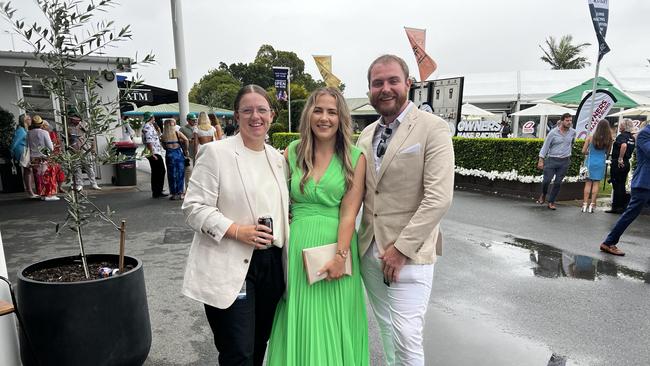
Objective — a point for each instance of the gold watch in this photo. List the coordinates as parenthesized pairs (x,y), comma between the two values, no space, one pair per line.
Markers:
(343,253)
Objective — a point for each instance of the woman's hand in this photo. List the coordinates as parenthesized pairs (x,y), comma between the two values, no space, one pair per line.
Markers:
(256,235)
(335,268)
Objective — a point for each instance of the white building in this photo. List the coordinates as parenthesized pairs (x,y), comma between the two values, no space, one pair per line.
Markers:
(15,87)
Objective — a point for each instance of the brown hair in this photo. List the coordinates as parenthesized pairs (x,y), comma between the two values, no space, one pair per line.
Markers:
(602,137)
(305,149)
(385,59)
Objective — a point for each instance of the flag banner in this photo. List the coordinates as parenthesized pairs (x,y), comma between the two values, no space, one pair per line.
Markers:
(324,64)
(426,65)
(281,76)
(603,102)
(599,10)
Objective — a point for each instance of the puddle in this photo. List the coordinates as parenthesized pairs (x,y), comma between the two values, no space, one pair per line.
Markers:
(551,262)
(176,235)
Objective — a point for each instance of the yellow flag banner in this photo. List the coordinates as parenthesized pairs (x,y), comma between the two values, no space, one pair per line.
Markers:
(426,65)
(324,64)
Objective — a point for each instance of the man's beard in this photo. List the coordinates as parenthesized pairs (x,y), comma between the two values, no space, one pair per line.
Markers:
(388,111)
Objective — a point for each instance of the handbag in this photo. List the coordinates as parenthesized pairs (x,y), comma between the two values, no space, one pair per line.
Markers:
(315,258)
(583,173)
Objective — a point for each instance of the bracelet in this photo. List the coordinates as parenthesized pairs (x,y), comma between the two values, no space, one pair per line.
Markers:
(343,253)
(236,232)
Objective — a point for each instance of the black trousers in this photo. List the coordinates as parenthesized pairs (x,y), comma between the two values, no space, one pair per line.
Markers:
(618,178)
(157,175)
(241,332)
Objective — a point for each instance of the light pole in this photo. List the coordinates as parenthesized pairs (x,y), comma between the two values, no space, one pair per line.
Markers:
(179,52)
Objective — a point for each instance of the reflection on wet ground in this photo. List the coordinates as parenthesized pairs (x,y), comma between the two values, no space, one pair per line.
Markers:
(557,360)
(551,262)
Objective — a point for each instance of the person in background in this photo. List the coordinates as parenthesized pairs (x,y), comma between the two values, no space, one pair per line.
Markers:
(555,158)
(235,265)
(640,194)
(54,168)
(326,322)
(20,153)
(127,130)
(214,121)
(188,131)
(204,131)
(505,129)
(620,165)
(230,128)
(79,142)
(40,146)
(595,148)
(175,144)
(151,139)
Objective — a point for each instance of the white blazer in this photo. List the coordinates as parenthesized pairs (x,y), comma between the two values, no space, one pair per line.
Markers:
(218,195)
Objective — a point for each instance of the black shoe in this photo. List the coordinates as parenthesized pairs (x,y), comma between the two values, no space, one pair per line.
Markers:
(160,195)
(615,211)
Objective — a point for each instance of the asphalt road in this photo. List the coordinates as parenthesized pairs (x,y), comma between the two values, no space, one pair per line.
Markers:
(517,283)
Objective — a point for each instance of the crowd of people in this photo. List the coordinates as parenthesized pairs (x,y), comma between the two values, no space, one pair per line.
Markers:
(35,145)
(599,146)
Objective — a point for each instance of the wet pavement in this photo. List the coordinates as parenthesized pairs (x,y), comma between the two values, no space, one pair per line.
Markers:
(518,284)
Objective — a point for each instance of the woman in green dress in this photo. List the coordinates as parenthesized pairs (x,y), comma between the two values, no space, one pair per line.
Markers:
(324,323)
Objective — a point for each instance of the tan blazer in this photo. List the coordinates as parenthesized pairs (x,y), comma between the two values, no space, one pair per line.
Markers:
(219,194)
(405,202)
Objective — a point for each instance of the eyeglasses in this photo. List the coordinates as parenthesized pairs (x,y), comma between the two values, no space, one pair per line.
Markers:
(247,112)
(381,148)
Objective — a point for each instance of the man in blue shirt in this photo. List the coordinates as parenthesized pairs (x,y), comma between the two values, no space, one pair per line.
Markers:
(640,193)
(555,158)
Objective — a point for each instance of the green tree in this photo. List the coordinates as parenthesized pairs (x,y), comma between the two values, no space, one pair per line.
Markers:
(217,88)
(564,55)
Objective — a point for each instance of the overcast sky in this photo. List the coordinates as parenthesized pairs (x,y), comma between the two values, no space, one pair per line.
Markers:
(463,36)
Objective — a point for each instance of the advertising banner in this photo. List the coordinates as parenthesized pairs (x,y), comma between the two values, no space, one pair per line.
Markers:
(478,128)
(603,103)
(599,10)
(281,77)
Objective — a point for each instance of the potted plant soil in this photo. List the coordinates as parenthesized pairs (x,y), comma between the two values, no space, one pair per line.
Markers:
(82,309)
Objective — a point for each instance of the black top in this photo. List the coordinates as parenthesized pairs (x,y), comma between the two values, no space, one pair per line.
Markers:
(623,138)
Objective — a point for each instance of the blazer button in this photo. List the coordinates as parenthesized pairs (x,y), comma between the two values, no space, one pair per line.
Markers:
(375,215)
(376,192)
(245,260)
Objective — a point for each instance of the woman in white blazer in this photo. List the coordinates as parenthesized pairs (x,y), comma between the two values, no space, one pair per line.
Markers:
(235,265)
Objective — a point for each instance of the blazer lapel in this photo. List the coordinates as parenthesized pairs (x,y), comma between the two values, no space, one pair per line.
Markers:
(239,147)
(280,179)
(396,142)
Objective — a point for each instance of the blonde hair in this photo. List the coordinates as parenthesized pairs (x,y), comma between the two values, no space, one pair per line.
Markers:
(169,132)
(343,144)
(204,122)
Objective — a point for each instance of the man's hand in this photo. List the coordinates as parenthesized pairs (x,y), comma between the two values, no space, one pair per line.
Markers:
(393,261)
(540,164)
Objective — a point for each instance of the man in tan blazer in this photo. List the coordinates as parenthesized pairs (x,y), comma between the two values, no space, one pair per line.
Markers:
(409,188)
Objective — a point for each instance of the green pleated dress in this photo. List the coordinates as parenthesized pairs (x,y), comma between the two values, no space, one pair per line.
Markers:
(325,323)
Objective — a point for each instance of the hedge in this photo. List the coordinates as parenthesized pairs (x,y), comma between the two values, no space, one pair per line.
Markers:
(487,154)
(504,155)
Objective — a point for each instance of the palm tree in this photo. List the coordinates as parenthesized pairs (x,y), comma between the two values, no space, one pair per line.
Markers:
(564,55)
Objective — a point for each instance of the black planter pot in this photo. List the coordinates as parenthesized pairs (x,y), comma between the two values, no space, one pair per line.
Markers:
(98,322)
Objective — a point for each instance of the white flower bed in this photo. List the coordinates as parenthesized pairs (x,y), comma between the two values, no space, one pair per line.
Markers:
(511,175)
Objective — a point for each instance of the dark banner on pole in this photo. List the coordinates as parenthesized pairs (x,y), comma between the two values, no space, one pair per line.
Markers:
(281,76)
(599,10)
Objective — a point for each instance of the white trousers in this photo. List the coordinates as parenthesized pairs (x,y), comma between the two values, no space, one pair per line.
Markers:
(399,308)
(88,165)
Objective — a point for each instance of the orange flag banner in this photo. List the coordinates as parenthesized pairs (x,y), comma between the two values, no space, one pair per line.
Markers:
(426,65)
(324,64)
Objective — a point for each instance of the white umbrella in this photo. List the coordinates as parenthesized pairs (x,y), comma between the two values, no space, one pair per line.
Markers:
(545,109)
(474,111)
(643,110)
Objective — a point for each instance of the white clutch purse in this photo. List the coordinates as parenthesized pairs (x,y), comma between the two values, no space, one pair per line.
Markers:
(315,258)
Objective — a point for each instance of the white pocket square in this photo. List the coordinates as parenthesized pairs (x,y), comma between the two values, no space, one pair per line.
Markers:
(413,149)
